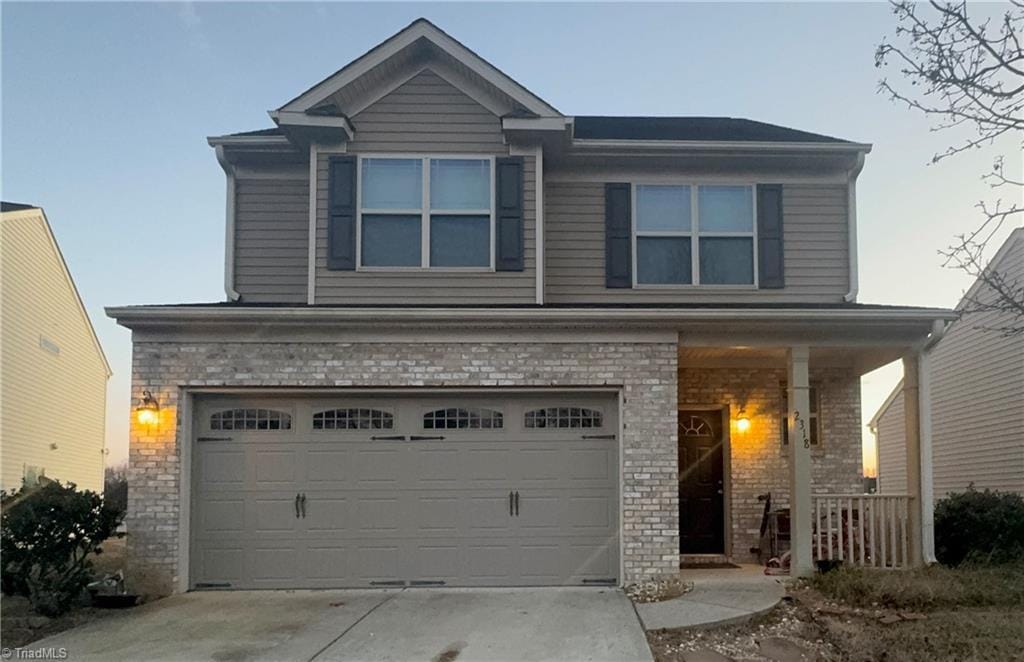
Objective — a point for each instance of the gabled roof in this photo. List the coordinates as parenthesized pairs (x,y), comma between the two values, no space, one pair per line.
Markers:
(419,30)
(13,211)
(732,129)
(896,391)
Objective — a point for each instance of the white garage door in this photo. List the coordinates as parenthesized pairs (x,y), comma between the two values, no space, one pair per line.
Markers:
(454,489)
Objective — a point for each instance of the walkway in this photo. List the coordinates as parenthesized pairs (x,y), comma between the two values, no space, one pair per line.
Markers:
(719,597)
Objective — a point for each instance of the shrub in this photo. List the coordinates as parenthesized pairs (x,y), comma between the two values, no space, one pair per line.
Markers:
(979,527)
(47,536)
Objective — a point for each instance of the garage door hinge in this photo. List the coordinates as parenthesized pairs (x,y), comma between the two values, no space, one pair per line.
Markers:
(598,436)
(390,582)
(213,438)
(426,582)
(213,585)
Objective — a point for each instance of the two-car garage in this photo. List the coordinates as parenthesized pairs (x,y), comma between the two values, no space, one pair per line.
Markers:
(405,489)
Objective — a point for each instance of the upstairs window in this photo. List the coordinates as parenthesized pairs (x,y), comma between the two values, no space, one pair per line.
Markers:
(426,212)
(693,234)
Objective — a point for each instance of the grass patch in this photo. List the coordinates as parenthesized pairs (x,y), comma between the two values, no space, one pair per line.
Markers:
(925,589)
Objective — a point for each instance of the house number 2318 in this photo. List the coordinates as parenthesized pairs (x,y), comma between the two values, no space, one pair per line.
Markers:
(801,427)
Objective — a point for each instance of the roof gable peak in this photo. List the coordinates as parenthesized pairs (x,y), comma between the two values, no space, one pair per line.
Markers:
(416,35)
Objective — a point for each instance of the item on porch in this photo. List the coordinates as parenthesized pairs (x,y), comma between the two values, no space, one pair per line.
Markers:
(778,565)
(110,593)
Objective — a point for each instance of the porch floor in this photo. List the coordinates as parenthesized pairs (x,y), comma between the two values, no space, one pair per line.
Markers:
(719,597)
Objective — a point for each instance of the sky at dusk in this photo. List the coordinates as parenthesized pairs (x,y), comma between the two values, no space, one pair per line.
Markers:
(106,109)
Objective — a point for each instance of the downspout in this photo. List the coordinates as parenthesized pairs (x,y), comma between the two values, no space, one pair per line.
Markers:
(851,222)
(925,422)
(229,227)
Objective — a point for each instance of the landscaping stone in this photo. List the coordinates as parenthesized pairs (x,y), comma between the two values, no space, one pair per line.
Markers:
(783,650)
(705,655)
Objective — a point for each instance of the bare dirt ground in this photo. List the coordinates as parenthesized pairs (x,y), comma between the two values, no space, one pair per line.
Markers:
(875,624)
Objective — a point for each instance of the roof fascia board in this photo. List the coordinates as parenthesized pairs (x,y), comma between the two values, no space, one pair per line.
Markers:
(521,315)
(288,118)
(873,423)
(738,146)
(247,141)
(393,45)
(534,124)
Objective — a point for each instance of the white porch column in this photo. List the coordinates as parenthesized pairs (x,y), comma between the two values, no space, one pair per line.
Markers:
(798,385)
(912,406)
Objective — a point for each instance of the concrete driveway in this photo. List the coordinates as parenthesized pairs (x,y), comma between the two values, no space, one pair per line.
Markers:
(438,625)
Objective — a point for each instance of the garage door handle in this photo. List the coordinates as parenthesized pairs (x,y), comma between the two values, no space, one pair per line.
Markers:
(517,503)
(394,437)
(302,502)
(417,437)
(296,505)
(510,505)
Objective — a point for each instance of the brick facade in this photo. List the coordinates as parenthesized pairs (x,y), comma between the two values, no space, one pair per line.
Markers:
(759,462)
(646,373)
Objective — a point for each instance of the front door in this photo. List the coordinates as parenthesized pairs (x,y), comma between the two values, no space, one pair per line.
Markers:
(701,486)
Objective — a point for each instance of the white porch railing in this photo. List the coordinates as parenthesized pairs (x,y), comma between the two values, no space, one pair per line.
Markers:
(871,530)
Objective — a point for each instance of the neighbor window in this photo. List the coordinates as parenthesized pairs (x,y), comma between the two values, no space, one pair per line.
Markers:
(813,417)
(425,212)
(694,234)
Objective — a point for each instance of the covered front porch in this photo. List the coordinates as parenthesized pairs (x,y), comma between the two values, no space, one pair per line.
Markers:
(770,443)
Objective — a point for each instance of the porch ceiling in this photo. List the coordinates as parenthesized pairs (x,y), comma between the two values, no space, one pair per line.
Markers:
(860,359)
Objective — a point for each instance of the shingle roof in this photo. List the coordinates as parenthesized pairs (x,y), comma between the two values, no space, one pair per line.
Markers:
(274,131)
(597,127)
(15,206)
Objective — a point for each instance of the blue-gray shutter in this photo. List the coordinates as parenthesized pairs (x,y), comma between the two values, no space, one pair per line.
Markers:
(341,213)
(770,255)
(509,241)
(618,252)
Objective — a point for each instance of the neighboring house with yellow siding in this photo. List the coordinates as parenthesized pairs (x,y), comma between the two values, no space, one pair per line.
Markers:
(53,374)
(977,399)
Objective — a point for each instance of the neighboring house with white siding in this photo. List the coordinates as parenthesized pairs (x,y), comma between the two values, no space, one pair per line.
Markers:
(471,340)
(53,388)
(977,399)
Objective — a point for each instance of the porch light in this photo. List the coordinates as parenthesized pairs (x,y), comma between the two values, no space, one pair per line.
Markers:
(148,411)
(742,422)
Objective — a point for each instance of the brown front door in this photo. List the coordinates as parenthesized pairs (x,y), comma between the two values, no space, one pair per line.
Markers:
(701,486)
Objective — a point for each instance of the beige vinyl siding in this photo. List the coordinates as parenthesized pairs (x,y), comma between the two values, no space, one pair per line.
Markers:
(815,236)
(46,397)
(427,114)
(418,118)
(891,436)
(977,403)
(272,238)
(978,398)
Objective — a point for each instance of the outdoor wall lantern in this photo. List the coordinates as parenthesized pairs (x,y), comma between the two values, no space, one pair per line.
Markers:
(148,411)
(742,421)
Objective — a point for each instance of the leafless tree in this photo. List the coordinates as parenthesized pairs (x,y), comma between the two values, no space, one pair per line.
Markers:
(968,74)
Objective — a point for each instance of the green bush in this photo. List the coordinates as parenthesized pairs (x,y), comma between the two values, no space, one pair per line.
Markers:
(979,527)
(46,537)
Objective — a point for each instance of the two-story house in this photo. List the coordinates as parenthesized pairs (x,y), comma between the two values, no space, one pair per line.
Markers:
(470,340)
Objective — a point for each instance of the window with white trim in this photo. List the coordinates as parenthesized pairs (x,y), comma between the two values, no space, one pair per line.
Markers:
(687,234)
(426,212)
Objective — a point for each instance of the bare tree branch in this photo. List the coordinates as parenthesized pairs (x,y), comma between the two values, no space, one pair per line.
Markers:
(966,73)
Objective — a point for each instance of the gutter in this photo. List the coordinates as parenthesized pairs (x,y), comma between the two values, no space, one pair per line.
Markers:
(531,316)
(924,409)
(229,226)
(851,223)
(243,141)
